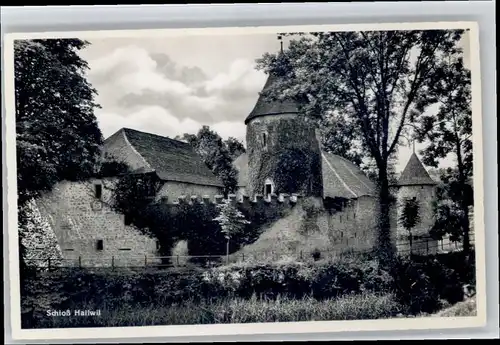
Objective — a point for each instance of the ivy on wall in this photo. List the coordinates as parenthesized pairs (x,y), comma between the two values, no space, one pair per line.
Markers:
(291,159)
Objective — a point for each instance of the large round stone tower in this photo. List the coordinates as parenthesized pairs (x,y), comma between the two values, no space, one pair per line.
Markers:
(283,151)
(416,184)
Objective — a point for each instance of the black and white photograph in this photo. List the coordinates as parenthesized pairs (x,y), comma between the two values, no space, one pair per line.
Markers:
(263,175)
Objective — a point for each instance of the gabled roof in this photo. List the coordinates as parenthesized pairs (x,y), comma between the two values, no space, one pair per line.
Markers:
(265,106)
(415,174)
(170,159)
(343,179)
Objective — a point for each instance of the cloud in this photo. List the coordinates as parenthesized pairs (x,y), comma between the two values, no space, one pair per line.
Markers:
(157,120)
(150,91)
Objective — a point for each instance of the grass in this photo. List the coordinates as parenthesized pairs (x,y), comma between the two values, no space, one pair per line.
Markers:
(254,310)
(465,308)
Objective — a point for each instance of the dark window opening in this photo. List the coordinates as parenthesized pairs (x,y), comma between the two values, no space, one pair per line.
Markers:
(264,140)
(341,234)
(68,250)
(128,219)
(100,245)
(414,198)
(125,249)
(98,191)
(269,189)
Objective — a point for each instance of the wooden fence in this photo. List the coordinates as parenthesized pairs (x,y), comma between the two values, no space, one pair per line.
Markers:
(425,247)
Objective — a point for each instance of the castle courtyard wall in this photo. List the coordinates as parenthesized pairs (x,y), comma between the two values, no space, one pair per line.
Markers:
(79,220)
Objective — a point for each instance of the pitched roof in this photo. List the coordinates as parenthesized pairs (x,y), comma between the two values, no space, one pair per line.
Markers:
(341,178)
(172,160)
(415,174)
(265,106)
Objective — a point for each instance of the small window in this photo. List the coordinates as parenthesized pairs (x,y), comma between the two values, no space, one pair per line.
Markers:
(414,198)
(127,219)
(124,248)
(341,234)
(100,245)
(264,140)
(98,191)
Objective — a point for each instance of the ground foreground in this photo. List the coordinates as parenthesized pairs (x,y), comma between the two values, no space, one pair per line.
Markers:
(353,288)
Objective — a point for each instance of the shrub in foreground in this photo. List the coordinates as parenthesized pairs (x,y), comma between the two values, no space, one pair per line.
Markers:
(236,310)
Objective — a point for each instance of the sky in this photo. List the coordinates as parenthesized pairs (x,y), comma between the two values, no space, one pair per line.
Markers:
(174,85)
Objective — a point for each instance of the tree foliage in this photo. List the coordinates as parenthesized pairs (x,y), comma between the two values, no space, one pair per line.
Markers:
(410,214)
(57,133)
(449,131)
(57,136)
(374,83)
(217,154)
(449,212)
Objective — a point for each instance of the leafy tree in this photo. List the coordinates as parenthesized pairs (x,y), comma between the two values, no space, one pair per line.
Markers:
(57,136)
(410,215)
(449,131)
(57,133)
(216,154)
(232,222)
(133,194)
(449,213)
(235,147)
(374,83)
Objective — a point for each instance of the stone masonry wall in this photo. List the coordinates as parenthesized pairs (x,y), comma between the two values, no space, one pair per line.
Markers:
(80,220)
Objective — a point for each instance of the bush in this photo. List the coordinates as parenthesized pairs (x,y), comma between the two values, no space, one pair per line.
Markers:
(419,284)
(236,310)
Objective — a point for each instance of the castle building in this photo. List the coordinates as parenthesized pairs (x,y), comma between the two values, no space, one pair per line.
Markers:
(284,155)
(80,213)
(415,183)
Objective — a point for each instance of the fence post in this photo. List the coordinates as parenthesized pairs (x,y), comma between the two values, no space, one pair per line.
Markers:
(113,262)
(411,245)
(177,260)
(301,257)
(145,260)
(242,256)
(80,261)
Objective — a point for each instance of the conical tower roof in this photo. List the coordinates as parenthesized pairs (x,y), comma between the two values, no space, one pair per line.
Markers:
(266,106)
(415,173)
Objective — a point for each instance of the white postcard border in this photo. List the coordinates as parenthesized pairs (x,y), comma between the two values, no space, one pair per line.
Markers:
(257,328)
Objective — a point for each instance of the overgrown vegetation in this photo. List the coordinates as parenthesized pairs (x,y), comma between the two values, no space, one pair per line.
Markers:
(383,83)
(292,163)
(57,136)
(134,195)
(218,154)
(411,287)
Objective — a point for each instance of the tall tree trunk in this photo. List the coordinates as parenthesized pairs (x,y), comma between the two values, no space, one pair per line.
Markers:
(385,248)
(463,201)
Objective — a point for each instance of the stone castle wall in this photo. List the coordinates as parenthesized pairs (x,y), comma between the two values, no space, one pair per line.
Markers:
(79,221)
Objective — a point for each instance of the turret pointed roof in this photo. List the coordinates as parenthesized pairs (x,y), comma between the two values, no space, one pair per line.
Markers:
(415,173)
(265,106)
